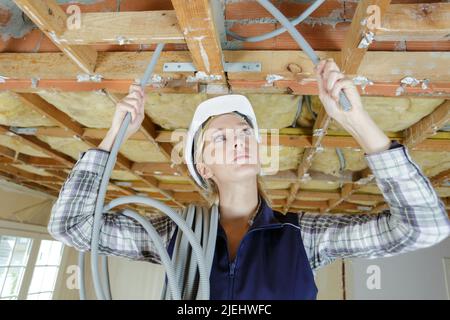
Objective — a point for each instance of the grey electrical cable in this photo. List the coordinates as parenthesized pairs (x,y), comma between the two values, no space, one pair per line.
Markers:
(165,294)
(190,282)
(305,14)
(81,275)
(180,260)
(197,250)
(105,180)
(211,241)
(309,107)
(209,228)
(303,44)
(101,291)
(105,275)
(177,219)
(299,112)
(341,157)
(159,245)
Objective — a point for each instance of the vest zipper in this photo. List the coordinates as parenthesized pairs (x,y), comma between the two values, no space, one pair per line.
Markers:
(232,265)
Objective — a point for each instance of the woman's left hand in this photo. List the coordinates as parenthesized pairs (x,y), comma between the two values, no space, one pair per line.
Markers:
(331,81)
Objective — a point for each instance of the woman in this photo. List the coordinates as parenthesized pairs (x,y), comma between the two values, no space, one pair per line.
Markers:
(260,253)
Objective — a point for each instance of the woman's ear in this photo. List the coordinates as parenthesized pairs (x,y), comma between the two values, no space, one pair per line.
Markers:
(204,171)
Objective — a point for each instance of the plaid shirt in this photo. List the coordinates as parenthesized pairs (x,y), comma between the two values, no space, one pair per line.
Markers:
(417,218)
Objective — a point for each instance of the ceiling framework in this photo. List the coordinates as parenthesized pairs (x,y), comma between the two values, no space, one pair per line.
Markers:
(50,73)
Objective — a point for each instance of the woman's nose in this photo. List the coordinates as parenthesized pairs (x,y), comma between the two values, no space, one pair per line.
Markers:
(239,141)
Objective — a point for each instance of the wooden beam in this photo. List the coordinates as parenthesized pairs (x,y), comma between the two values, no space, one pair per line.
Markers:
(23,174)
(415,22)
(317,194)
(51,19)
(289,137)
(440,178)
(178,186)
(188,197)
(355,41)
(347,190)
(155,168)
(8,153)
(319,131)
(196,20)
(380,207)
(309,204)
(43,107)
(336,195)
(22,177)
(428,126)
(385,89)
(377,66)
(38,145)
(14,157)
(120,28)
(41,162)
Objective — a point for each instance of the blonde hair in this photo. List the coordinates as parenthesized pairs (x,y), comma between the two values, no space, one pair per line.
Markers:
(210,185)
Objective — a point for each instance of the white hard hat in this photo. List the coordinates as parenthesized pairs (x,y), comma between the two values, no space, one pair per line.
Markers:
(213,107)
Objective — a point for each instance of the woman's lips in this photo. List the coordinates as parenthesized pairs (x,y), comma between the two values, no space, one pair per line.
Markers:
(242,156)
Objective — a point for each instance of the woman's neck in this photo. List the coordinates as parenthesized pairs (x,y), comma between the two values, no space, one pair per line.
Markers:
(238,201)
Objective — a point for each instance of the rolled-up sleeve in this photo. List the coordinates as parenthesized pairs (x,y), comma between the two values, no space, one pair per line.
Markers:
(416,218)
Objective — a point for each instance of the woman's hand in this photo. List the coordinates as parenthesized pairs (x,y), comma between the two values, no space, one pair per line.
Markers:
(331,81)
(132,103)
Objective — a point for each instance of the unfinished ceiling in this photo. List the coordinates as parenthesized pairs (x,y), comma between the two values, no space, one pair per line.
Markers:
(59,87)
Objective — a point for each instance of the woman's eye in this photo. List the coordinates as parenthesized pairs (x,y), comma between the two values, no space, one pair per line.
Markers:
(219,138)
(247,131)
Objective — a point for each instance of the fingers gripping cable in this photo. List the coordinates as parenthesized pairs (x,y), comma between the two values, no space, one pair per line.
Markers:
(290,27)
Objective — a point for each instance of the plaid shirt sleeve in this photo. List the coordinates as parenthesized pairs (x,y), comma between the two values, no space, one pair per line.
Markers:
(416,217)
(73,214)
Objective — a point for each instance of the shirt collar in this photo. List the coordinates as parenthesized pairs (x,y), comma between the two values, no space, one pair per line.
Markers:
(264,216)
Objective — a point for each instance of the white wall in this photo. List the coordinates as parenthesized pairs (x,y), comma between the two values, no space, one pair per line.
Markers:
(413,275)
(329,281)
(19,204)
(128,279)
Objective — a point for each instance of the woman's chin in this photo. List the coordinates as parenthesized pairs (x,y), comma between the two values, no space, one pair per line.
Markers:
(245,169)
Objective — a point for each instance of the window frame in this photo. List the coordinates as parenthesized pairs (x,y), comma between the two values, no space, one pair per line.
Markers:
(36,233)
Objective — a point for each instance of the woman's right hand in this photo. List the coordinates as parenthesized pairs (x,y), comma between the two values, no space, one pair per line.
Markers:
(132,103)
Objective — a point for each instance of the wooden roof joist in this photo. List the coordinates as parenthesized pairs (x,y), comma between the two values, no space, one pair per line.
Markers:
(428,126)
(289,137)
(377,66)
(197,22)
(51,19)
(121,28)
(355,44)
(415,22)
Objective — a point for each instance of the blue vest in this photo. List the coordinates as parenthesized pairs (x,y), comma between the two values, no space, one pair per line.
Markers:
(271,262)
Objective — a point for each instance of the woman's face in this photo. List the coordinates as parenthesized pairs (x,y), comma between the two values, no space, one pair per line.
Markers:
(230,152)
